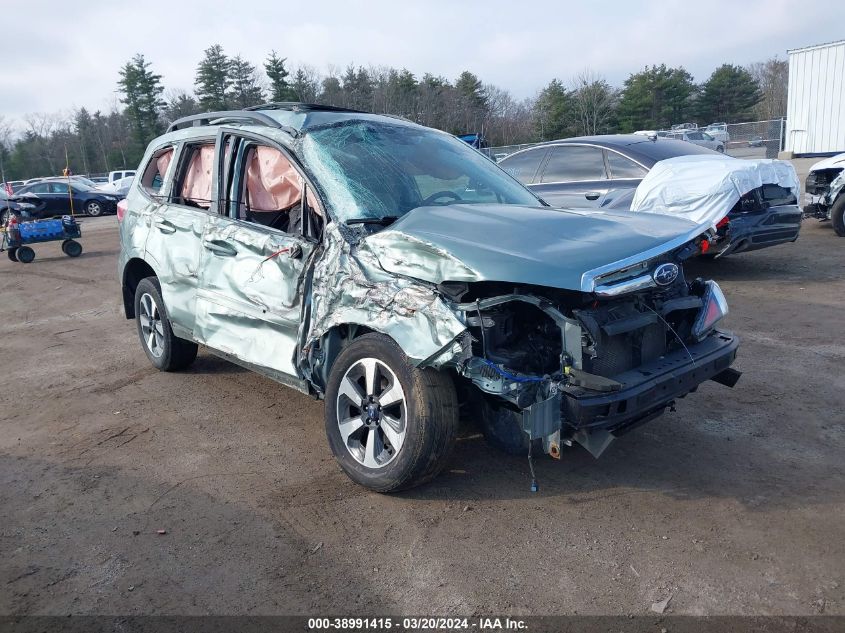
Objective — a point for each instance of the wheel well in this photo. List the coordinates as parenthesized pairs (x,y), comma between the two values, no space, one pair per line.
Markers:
(331,344)
(135,270)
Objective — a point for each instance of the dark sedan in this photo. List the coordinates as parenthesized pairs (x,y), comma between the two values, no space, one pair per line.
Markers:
(51,197)
(591,171)
(604,171)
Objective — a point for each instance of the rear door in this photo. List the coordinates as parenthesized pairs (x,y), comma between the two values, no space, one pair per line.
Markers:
(574,176)
(254,255)
(43,199)
(60,199)
(176,223)
(625,174)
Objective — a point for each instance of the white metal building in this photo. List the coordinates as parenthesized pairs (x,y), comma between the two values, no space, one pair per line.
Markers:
(815,111)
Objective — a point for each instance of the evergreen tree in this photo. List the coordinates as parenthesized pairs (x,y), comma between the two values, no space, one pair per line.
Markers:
(280,88)
(246,90)
(555,115)
(730,95)
(180,104)
(141,89)
(213,81)
(305,86)
(656,98)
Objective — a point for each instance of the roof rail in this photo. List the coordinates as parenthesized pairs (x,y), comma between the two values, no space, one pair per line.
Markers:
(296,106)
(207,118)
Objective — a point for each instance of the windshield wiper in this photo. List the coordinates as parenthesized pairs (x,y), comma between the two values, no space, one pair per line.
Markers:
(384,221)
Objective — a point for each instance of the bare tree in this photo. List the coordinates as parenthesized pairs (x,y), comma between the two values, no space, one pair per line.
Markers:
(593,102)
(773,77)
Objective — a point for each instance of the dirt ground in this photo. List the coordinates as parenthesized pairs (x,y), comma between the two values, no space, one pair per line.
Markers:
(735,504)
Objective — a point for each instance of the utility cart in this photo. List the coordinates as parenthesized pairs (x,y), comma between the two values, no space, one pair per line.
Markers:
(18,236)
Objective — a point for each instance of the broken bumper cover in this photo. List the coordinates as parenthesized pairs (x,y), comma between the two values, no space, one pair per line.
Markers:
(647,391)
(750,232)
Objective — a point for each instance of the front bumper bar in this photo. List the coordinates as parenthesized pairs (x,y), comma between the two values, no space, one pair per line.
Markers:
(647,391)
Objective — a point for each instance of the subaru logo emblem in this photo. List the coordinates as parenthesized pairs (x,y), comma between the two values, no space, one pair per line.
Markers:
(665,274)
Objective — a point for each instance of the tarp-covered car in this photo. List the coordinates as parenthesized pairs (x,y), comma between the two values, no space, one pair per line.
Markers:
(752,204)
(395,272)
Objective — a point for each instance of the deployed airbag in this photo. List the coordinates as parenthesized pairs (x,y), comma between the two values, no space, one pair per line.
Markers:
(704,189)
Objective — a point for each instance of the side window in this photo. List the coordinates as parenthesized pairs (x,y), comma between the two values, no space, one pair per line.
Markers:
(266,188)
(573,164)
(621,167)
(58,187)
(155,171)
(193,186)
(523,166)
(41,187)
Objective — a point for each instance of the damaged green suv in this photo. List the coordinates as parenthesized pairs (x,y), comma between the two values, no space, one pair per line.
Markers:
(397,273)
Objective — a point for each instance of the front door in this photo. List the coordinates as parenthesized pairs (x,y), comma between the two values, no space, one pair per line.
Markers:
(249,303)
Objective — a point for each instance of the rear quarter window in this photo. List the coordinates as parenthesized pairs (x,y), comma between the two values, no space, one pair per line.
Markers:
(155,170)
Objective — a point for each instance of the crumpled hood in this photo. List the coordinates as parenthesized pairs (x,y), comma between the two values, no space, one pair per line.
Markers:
(830,163)
(520,244)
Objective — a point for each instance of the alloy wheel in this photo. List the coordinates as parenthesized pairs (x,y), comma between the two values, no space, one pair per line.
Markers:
(371,413)
(152,328)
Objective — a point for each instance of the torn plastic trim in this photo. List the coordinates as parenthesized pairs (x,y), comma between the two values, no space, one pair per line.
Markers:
(837,186)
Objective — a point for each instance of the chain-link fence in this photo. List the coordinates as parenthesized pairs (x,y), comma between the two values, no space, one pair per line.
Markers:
(758,139)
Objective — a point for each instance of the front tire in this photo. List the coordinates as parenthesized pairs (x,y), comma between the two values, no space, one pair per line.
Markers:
(837,215)
(94,208)
(13,254)
(390,425)
(166,351)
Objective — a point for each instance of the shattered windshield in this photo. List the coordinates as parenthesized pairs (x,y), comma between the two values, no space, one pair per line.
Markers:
(375,170)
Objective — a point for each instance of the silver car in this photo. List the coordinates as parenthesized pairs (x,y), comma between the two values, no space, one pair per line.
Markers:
(698,138)
(398,274)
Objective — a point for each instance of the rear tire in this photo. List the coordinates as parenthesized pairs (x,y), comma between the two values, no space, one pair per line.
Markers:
(390,425)
(94,208)
(837,215)
(25,255)
(13,254)
(166,351)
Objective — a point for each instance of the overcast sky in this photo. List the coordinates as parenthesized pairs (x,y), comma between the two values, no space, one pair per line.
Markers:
(61,55)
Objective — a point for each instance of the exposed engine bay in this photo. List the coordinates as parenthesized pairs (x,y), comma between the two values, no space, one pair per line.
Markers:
(541,351)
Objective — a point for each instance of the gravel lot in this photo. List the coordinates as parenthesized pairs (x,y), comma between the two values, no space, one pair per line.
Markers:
(735,504)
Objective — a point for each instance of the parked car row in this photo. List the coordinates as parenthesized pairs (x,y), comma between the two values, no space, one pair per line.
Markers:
(56,196)
(106,181)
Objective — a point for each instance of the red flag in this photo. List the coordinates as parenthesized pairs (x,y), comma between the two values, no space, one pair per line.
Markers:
(8,187)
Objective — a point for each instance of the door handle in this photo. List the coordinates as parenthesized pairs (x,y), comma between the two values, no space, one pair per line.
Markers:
(165,227)
(220,248)
(592,195)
